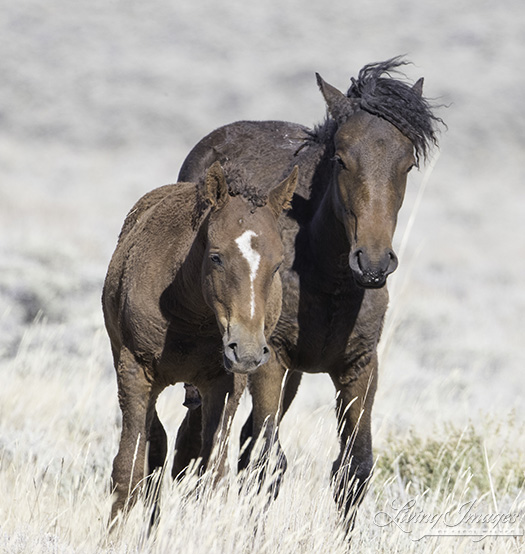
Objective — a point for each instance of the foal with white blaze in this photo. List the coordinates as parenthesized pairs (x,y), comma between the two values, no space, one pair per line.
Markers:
(191,295)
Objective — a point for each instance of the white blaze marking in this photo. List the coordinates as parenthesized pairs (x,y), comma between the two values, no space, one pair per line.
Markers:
(244,242)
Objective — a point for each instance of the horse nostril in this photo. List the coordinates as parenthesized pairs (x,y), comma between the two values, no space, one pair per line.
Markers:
(355,261)
(232,347)
(266,350)
(393,263)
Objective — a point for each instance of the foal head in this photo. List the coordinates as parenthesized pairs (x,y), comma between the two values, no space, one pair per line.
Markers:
(240,277)
(383,127)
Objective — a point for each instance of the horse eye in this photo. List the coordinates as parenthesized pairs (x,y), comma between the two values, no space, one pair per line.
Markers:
(410,168)
(276,268)
(215,259)
(337,159)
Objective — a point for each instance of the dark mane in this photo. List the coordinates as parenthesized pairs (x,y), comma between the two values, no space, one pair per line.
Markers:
(241,183)
(396,102)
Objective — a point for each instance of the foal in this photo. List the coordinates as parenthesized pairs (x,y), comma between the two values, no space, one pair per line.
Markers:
(191,295)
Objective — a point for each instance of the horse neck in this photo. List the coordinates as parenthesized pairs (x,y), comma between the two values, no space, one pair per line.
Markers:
(187,304)
(329,246)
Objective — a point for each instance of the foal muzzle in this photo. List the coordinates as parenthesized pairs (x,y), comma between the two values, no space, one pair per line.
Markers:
(244,354)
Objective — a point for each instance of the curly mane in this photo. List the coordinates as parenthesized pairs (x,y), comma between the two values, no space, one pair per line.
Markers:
(240,183)
(397,102)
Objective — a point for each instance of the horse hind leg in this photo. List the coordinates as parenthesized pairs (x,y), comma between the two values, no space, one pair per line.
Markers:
(205,427)
(157,443)
(188,443)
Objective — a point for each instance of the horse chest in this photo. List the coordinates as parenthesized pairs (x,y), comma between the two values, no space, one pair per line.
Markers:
(325,326)
(321,332)
(189,358)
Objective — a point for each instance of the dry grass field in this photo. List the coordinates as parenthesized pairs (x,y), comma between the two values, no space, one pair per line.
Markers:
(99,103)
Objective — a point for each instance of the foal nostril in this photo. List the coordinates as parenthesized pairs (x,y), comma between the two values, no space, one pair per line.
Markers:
(265,356)
(232,350)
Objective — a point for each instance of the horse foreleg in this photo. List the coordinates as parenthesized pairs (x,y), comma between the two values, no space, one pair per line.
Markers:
(352,468)
(247,442)
(220,398)
(137,397)
(266,388)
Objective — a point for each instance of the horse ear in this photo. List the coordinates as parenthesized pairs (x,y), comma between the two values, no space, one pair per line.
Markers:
(215,189)
(418,87)
(339,105)
(280,197)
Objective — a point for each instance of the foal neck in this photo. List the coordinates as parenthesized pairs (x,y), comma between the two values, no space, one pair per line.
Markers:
(183,301)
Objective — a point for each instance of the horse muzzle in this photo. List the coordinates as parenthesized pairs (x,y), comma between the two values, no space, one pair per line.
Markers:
(369,273)
(244,356)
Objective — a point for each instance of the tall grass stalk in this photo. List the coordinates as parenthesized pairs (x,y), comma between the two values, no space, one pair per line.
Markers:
(56,452)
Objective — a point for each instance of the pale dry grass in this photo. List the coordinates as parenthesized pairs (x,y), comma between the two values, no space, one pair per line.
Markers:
(59,429)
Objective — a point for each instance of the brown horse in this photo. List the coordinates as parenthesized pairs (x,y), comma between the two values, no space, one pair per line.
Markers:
(338,247)
(191,295)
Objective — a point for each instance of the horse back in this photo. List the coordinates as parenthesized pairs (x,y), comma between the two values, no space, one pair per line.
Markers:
(142,206)
(267,149)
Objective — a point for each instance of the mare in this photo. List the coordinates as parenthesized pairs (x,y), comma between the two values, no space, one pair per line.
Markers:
(192,294)
(338,249)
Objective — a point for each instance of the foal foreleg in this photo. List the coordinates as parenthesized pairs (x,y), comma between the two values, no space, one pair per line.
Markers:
(248,436)
(266,388)
(220,398)
(352,468)
(137,397)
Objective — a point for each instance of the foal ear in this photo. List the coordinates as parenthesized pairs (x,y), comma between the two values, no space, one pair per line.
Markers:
(215,189)
(339,105)
(280,197)
(418,87)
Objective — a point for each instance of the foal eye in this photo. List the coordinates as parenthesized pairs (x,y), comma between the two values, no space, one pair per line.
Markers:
(276,268)
(215,259)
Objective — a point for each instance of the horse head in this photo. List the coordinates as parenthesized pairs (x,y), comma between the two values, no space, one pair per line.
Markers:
(375,147)
(240,276)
